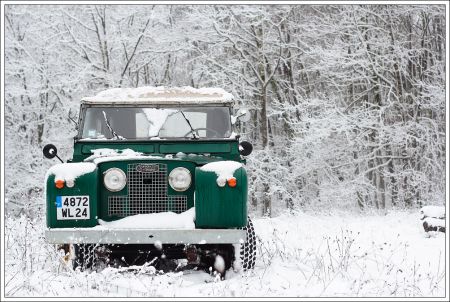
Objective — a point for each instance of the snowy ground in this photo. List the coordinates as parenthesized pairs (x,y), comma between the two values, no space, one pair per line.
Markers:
(298,255)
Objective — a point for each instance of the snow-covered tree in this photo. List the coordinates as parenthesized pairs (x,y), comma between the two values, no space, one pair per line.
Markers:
(348,101)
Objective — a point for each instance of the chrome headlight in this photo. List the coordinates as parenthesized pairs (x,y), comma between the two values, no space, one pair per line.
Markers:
(114,179)
(180,179)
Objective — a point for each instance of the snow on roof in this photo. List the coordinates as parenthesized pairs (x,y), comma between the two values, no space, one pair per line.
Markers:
(160,95)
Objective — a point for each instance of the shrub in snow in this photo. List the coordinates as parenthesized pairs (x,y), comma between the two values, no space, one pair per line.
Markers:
(433,218)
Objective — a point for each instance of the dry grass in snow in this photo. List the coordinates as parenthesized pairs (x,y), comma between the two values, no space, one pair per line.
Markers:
(298,255)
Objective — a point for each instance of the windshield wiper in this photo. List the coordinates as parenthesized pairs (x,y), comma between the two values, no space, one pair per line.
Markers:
(194,135)
(113,133)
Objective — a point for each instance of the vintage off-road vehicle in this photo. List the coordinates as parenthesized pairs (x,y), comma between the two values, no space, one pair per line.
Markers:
(157,173)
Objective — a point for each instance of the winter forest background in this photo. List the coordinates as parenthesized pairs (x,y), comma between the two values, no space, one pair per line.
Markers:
(347,101)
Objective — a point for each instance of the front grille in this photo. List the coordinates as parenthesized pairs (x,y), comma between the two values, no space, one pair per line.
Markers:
(147,193)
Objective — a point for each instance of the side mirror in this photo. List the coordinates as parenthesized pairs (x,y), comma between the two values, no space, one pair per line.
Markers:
(245,148)
(243,115)
(50,152)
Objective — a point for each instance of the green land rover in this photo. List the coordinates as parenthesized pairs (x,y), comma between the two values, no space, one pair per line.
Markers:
(157,174)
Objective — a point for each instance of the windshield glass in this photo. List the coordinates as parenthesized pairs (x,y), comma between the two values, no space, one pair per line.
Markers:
(145,123)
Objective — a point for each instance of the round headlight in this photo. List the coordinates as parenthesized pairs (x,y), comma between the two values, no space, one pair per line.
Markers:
(180,179)
(114,179)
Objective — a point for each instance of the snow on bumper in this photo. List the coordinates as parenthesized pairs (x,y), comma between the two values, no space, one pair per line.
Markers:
(135,236)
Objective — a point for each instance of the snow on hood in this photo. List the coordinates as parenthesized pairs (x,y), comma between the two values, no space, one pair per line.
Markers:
(162,94)
(223,169)
(105,154)
(165,220)
(70,171)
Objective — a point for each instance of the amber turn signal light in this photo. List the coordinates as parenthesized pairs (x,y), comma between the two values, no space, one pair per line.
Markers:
(232,182)
(59,183)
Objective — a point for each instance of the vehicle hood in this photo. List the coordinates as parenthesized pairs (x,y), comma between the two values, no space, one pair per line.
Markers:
(108,155)
(200,152)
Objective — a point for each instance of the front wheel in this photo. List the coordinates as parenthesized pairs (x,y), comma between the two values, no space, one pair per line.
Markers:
(84,256)
(248,249)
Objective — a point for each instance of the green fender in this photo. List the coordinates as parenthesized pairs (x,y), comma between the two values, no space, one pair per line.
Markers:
(85,185)
(220,207)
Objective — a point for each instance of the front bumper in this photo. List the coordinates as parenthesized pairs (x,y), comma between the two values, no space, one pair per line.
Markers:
(144,236)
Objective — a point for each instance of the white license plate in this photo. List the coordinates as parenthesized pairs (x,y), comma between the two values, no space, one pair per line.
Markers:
(72,207)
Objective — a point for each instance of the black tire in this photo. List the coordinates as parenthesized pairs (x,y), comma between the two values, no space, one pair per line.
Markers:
(84,256)
(248,249)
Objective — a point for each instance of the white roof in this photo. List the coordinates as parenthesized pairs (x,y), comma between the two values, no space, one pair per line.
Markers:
(160,95)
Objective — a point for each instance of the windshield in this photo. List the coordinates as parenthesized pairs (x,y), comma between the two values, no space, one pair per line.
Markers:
(147,123)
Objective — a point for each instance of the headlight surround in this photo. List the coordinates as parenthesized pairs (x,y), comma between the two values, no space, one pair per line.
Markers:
(180,179)
(114,179)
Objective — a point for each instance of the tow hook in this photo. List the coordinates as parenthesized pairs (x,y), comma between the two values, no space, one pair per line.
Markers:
(191,254)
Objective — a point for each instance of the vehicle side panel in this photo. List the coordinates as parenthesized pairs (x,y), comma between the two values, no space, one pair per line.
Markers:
(220,207)
(86,184)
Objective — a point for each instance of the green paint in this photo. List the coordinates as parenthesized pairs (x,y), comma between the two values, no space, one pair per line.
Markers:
(225,149)
(195,148)
(144,148)
(171,164)
(84,185)
(215,207)
(220,207)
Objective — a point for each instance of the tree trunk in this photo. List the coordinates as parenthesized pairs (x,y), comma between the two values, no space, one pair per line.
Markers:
(264,122)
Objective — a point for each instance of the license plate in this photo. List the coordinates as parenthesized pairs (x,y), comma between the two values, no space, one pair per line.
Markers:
(72,207)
